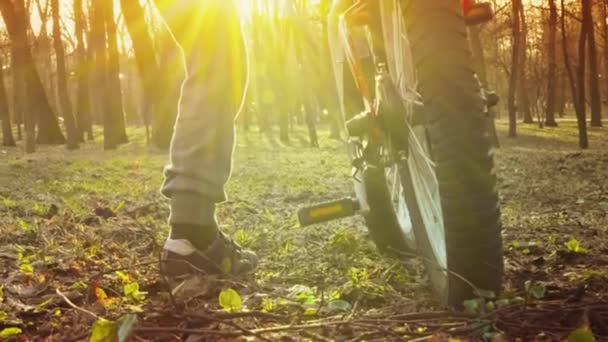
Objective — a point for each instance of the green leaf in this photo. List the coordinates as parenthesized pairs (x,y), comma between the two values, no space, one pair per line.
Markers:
(10,332)
(26,268)
(119,206)
(23,225)
(490,306)
(1,293)
(553,238)
(42,305)
(230,300)
(104,331)
(575,246)
(79,285)
(109,331)
(473,306)
(306,298)
(3,315)
(536,290)
(339,305)
(312,311)
(583,334)
(358,275)
(268,304)
(131,291)
(517,301)
(123,276)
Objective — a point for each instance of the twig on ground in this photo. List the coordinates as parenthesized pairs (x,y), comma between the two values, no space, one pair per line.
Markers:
(315,337)
(147,330)
(69,302)
(432,315)
(364,336)
(242,314)
(247,331)
(384,330)
(300,326)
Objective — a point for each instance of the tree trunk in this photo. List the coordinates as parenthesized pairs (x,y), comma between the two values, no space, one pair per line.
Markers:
(515,59)
(5,115)
(479,65)
(18,95)
(562,86)
(310,118)
(62,80)
(37,102)
(523,102)
(116,109)
(41,50)
(99,82)
(149,70)
(577,85)
(604,13)
(552,67)
(83,71)
(594,83)
(330,100)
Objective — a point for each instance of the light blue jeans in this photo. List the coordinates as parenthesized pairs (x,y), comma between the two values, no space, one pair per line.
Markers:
(215,57)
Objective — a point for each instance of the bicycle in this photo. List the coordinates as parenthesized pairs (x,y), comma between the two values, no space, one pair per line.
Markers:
(421,158)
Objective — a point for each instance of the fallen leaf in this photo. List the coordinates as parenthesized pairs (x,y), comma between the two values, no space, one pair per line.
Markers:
(103,331)
(10,332)
(583,334)
(230,300)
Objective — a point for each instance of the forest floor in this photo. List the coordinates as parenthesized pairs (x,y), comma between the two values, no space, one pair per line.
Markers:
(87,227)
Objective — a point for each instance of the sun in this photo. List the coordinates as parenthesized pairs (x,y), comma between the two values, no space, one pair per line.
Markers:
(245,7)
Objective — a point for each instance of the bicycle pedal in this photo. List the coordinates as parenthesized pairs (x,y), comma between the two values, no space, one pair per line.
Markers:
(328,211)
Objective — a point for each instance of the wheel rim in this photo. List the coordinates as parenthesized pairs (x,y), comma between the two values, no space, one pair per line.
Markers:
(426,188)
(395,188)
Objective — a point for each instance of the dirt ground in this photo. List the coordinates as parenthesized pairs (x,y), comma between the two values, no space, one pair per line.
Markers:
(80,235)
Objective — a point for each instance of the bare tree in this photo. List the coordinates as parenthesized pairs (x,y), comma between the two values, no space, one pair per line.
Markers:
(523,99)
(594,83)
(83,74)
(62,81)
(113,69)
(515,65)
(604,24)
(155,102)
(577,84)
(37,104)
(5,116)
(552,66)
(107,73)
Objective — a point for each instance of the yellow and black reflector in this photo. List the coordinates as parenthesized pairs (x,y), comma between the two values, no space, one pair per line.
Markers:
(328,211)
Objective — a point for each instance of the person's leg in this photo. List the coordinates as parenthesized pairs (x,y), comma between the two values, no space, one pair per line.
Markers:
(201,150)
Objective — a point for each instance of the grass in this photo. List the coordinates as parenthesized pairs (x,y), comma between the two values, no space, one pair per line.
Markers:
(91,211)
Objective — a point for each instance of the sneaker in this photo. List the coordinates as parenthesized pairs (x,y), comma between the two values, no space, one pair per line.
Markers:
(224,256)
